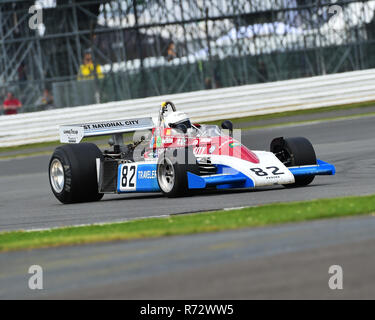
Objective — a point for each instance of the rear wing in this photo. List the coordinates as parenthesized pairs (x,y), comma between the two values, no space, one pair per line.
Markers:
(75,133)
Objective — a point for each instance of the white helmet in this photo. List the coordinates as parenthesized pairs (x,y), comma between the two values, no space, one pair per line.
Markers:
(175,118)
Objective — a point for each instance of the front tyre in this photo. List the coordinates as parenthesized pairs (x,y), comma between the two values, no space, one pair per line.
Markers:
(72,173)
(172,168)
(292,152)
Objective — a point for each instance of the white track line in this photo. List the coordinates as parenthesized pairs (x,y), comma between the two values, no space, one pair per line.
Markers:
(122,220)
(91,224)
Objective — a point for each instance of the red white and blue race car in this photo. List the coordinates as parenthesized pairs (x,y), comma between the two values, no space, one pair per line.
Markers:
(173,156)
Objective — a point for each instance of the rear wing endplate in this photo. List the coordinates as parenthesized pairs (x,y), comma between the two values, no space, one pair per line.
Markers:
(75,133)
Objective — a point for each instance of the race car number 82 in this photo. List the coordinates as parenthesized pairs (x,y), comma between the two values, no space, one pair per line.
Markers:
(128,174)
(261,173)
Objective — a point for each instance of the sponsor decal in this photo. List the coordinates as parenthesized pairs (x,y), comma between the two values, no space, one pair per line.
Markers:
(212,149)
(158,141)
(167,140)
(147,174)
(71,134)
(152,142)
(168,132)
(71,131)
(181,141)
(199,150)
(205,140)
(234,144)
(113,124)
(195,142)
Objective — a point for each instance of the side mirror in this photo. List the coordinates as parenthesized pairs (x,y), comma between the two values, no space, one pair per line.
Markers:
(228,125)
(181,127)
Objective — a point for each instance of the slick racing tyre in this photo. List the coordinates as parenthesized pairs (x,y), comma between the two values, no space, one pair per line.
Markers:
(72,173)
(292,152)
(172,171)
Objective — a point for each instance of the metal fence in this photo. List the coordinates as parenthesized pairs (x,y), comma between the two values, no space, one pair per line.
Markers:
(148,48)
(204,105)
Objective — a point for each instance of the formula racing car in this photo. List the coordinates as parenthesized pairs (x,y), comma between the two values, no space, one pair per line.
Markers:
(172,155)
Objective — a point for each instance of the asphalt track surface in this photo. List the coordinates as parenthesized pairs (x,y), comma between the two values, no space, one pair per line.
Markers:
(26,201)
(289,261)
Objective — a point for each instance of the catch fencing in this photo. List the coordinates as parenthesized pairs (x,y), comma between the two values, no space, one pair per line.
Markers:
(205,105)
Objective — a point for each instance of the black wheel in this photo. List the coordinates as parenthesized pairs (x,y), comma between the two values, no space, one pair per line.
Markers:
(72,173)
(172,171)
(296,151)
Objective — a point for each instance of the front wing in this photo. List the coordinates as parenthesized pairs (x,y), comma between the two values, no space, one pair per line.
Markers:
(239,180)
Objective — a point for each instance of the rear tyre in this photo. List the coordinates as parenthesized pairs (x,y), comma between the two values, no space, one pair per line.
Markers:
(72,173)
(292,152)
(172,171)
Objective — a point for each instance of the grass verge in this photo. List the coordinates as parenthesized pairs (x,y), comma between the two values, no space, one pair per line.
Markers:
(234,120)
(24,155)
(190,223)
(20,155)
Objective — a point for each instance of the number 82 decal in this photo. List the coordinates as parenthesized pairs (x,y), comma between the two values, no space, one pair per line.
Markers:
(128,177)
(261,173)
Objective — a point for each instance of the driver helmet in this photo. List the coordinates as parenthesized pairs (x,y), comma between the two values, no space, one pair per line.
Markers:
(175,118)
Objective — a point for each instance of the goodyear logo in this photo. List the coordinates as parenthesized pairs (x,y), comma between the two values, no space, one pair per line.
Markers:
(71,131)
